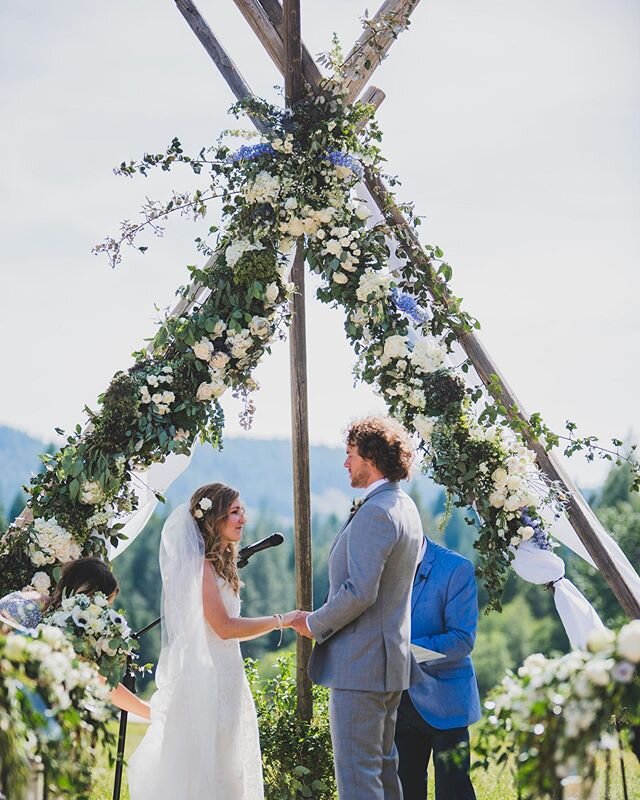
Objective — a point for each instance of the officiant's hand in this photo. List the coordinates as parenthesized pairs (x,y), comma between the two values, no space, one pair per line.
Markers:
(299,624)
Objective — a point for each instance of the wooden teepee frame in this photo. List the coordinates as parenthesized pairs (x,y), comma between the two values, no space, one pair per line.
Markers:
(277,28)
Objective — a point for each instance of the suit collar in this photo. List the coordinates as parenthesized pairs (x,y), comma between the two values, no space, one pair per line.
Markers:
(384,487)
(423,571)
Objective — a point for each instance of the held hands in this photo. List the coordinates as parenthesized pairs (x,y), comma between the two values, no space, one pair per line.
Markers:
(298,621)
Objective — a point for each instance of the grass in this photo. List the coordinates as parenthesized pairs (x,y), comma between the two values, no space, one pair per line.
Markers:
(495,784)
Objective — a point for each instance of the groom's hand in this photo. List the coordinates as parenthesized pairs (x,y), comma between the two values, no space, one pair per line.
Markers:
(299,624)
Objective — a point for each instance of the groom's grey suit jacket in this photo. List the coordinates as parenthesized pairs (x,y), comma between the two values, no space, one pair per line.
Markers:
(363,630)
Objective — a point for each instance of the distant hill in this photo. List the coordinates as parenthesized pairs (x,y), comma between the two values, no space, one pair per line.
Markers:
(260,468)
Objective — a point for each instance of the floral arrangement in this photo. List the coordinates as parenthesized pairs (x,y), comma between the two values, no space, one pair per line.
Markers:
(97,633)
(300,183)
(53,711)
(555,714)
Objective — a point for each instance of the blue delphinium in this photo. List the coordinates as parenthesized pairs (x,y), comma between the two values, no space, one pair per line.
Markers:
(340,159)
(407,303)
(250,151)
(540,536)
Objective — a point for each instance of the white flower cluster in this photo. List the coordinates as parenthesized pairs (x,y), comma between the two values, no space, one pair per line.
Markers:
(91,493)
(265,188)
(512,482)
(296,221)
(373,285)
(283,145)
(94,621)
(161,400)
(238,248)
(203,506)
(49,543)
(59,673)
(576,688)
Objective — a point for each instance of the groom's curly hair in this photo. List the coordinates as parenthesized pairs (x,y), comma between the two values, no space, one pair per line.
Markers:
(385,442)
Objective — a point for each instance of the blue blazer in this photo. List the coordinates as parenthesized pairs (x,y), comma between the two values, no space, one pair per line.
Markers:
(444,617)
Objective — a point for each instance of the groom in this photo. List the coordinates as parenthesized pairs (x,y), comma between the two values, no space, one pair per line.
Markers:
(363,629)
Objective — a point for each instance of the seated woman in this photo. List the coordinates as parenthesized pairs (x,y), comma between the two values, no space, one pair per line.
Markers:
(83,576)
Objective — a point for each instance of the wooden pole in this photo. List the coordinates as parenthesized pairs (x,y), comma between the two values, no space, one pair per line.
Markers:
(299,404)
(581,516)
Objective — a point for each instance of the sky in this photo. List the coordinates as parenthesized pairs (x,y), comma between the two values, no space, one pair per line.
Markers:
(512,126)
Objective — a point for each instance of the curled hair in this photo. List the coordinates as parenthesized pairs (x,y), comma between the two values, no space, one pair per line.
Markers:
(222,554)
(84,576)
(385,442)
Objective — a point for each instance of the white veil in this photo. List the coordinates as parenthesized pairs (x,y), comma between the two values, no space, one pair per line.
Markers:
(184,706)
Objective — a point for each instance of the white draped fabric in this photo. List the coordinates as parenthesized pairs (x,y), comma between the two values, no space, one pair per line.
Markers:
(158,478)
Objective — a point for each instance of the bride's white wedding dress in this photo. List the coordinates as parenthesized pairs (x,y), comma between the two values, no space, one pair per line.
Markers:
(202,743)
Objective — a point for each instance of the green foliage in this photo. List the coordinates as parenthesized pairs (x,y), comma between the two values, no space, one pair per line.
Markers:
(297,755)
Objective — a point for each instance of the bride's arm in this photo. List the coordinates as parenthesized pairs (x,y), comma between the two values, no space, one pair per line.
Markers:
(122,698)
(228,627)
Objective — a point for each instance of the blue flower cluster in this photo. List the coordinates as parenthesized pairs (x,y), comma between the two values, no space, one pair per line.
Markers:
(340,159)
(407,303)
(540,537)
(250,151)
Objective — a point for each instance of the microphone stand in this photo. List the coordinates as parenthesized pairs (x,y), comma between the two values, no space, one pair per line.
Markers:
(129,682)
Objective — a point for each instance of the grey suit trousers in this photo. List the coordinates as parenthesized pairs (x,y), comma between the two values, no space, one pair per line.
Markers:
(364,751)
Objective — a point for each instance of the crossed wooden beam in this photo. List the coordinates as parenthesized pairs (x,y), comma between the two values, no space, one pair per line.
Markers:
(277,28)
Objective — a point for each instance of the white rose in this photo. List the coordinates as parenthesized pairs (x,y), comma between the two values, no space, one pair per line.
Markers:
(290,203)
(168,397)
(271,292)
(394,347)
(513,502)
(340,277)
(424,426)
(600,639)
(514,483)
(500,476)
(204,392)
(203,349)
(181,435)
(205,504)
(497,499)
(343,172)
(259,326)
(41,582)
(333,247)
(525,532)
(295,227)
(145,397)
(598,671)
(628,645)
(324,215)
(219,360)
(218,329)
(362,212)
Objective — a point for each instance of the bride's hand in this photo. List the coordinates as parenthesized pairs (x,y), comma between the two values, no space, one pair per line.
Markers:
(291,617)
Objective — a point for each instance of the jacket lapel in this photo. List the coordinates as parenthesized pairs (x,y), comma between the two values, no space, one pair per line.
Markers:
(384,487)
(422,574)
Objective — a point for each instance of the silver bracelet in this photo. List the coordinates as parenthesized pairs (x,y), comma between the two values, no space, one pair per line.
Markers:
(280,620)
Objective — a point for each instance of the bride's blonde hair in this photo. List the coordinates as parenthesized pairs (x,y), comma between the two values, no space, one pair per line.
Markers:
(222,554)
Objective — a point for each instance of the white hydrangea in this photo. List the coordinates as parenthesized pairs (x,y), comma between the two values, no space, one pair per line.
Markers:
(424,426)
(373,285)
(232,255)
(50,543)
(395,346)
(428,354)
(263,189)
(91,493)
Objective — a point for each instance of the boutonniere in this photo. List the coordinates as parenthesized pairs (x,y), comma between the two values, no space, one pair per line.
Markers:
(355,505)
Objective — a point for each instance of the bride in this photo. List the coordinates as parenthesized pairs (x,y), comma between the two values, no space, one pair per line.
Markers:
(203,737)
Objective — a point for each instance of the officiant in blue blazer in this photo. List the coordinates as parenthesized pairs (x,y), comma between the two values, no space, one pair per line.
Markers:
(435,713)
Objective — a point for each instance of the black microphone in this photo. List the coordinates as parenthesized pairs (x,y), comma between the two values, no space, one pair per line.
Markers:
(264,544)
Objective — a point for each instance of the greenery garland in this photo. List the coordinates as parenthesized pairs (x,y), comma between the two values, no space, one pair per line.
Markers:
(300,183)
